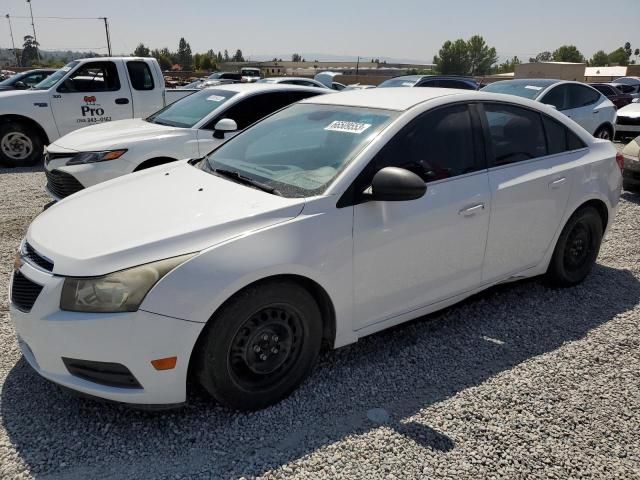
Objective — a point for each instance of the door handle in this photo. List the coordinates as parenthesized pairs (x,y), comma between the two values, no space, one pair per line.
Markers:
(557,183)
(470,211)
(122,101)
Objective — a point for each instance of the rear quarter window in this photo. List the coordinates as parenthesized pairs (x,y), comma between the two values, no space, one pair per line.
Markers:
(140,75)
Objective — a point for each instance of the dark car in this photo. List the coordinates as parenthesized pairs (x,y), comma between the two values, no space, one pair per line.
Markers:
(613,93)
(441,81)
(24,80)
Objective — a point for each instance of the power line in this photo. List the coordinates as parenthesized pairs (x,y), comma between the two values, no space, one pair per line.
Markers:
(60,18)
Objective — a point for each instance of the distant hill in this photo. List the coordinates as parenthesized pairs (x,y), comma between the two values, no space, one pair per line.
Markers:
(7,57)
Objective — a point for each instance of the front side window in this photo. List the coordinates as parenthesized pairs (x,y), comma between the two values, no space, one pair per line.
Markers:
(140,75)
(515,134)
(92,77)
(435,146)
(300,150)
(558,97)
(251,109)
(189,110)
(55,77)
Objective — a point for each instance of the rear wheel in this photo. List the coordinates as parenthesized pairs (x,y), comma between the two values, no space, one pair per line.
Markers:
(577,248)
(260,346)
(20,145)
(604,132)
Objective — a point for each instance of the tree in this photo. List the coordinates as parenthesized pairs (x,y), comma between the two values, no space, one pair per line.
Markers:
(509,66)
(480,56)
(636,53)
(628,50)
(618,57)
(207,63)
(296,57)
(473,57)
(226,56)
(452,58)
(184,54)
(197,61)
(541,57)
(599,59)
(141,51)
(237,57)
(568,53)
(29,51)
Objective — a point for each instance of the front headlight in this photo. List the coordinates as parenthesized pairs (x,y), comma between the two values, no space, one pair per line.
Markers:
(121,291)
(93,157)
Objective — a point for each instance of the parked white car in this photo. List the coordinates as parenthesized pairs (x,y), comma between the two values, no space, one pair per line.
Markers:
(634,86)
(631,173)
(628,120)
(580,102)
(188,128)
(335,218)
(84,92)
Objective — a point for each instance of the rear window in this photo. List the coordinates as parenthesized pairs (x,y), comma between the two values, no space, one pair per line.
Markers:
(140,75)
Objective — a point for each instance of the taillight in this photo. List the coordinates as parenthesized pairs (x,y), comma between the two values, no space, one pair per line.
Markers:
(620,161)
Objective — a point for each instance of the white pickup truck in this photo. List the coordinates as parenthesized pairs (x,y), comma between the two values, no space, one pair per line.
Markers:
(82,93)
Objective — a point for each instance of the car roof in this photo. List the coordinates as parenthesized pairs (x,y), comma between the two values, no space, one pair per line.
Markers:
(393,98)
(247,88)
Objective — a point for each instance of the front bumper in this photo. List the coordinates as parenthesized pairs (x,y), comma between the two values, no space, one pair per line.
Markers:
(46,335)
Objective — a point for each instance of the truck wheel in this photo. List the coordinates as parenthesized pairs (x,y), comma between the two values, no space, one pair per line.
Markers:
(260,346)
(20,146)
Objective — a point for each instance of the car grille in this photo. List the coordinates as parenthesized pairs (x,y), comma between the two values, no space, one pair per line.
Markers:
(61,184)
(24,292)
(628,121)
(34,257)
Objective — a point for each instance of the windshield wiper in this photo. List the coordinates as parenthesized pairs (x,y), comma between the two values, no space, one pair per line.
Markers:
(233,175)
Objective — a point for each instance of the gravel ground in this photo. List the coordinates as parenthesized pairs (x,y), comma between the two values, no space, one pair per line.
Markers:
(519,382)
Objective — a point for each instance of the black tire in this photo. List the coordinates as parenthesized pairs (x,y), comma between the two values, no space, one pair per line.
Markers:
(577,248)
(604,132)
(242,368)
(20,145)
(631,187)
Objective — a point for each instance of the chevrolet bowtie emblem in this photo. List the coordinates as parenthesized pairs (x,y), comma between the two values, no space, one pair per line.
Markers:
(17,263)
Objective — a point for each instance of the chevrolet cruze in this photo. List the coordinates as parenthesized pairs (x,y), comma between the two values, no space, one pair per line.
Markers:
(332,219)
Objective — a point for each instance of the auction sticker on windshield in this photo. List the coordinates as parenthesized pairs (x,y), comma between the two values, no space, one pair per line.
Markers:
(348,127)
(533,87)
(215,98)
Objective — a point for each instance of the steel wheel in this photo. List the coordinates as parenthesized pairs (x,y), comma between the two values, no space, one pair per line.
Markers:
(16,146)
(579,247)
(265,347)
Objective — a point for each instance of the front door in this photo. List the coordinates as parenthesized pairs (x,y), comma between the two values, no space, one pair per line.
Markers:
(411,254)
(95,92)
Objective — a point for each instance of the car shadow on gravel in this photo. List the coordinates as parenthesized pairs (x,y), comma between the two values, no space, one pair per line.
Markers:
(36,168)
(382,381)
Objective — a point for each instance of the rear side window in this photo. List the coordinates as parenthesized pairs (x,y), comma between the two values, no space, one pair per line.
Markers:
(516,134)
(559,138)
(436,145)
(140,75)
(581,96)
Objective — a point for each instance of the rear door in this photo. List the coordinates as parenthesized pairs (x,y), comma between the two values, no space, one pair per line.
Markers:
(94,92)
(247,111)
(530,177)
(145,93)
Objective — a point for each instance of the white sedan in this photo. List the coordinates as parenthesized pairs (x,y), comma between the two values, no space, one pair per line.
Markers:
(582,103)
(628,120)
(188,128)
(335,218)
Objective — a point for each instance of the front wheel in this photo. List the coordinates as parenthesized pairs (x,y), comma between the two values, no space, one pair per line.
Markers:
(577,248)
(260,346)
(20,146)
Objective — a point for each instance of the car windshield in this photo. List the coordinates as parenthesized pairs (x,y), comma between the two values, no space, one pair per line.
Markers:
(521,88)
(189,110)
(399,82)
(301,149)
(55,77)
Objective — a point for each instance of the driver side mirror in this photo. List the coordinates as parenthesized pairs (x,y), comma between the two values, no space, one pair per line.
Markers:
(20,85)
(393,184)
(223,126)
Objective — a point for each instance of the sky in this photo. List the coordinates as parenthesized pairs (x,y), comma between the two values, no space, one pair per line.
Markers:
(401,29)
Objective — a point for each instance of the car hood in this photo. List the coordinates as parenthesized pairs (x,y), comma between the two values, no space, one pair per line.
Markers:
(116,134)
(632,110)
(158,213)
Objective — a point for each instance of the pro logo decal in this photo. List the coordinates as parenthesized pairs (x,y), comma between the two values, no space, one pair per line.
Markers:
(92,111)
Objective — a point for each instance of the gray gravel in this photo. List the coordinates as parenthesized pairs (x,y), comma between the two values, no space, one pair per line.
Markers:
(520,382)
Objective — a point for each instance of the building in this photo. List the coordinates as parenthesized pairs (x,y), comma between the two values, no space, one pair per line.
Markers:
(608,74)
(559,70)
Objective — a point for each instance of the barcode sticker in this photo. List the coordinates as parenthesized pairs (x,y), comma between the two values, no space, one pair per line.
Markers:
(348,127)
